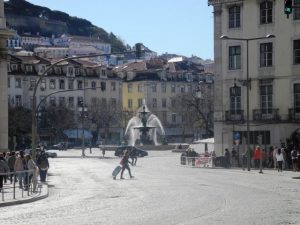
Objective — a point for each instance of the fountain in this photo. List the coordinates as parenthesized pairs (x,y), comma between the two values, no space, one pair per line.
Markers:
(144,127)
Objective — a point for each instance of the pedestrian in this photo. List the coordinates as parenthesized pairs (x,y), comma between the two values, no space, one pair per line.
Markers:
(33,174)
(3,169)
(279,158)
(11,164)
(125,164)
(103,152)
(256,156)
(19,168)
(4,159)
(227,158)
(43,164)
(294,159)
(133,156)
(275,150)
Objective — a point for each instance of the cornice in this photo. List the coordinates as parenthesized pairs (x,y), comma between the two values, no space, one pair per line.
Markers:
(218,2)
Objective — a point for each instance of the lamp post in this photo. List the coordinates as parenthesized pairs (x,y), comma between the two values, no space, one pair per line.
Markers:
(83,112)
(248,85)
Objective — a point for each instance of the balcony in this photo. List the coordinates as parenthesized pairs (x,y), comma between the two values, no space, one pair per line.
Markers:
(271,115)
(294,114)
(234,116)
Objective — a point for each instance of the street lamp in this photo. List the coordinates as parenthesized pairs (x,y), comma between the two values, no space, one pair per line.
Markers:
(248,85)
(83,113)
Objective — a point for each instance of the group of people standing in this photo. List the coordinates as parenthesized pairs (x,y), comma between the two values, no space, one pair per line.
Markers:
(274,157)
(18,167)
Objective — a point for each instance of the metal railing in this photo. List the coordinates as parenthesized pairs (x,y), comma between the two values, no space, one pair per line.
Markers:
(271,115)
(29,183)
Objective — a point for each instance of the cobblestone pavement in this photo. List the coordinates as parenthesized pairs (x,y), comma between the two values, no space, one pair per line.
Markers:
(82,191)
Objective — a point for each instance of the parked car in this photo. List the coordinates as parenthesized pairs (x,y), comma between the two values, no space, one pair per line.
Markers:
(137,151)
(51,153)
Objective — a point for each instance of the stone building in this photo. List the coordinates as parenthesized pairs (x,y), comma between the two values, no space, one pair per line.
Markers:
(271,73)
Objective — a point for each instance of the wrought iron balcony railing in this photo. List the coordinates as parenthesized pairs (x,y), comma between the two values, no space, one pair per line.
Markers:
(236,116)
(294,114)
(266,115)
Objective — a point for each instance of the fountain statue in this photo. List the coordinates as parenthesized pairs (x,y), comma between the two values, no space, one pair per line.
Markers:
(144,127)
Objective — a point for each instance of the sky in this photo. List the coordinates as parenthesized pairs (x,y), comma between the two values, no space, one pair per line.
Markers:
(183,27)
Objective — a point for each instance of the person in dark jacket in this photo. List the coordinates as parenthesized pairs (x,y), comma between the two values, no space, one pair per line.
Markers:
(11,164)
(125,164)
(43,164)
(3,169)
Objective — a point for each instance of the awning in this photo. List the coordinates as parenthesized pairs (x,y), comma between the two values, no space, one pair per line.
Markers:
(78,133)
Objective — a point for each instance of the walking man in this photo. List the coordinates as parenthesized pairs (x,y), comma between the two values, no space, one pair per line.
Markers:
(125,164)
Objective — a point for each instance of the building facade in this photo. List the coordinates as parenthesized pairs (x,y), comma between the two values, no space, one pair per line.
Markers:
(272,73)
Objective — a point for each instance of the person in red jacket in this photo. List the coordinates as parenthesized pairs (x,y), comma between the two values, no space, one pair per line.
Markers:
(256,156)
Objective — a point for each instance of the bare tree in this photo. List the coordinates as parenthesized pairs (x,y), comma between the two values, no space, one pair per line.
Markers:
(105,116)
(195,108)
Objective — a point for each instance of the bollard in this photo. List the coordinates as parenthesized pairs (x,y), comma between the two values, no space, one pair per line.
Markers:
(260,162)
(14,186)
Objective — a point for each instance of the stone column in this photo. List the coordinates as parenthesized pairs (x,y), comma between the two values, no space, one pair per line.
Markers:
(4,35)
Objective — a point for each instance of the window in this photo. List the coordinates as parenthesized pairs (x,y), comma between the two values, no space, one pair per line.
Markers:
(164,116)
(130,103)
(52,84)
(93,84)
(103,86)
(113,86)
(182,89)
(266,12)
(18,100)
(79,84)
(129,87)
(42,101)
(113,102)
(42,69)
(79,101)
(61,84)
(173,118)
(103,72)
(266,52)
(52,101)
(77,71)
(28,68)
(18,83)
(173,102)
(173,88)
(163,88)
(164,103)
(140,102)
(234,17)
(71,101)
(70,84)
(296,51)
(62,101)
(43,85)
(14,67)
(234,57)
(296,10)
(153,87)
(32,84)
(235,100)
(103,102)
(70,70)
(140,88)
(266,92)
(297,98)
(154,102)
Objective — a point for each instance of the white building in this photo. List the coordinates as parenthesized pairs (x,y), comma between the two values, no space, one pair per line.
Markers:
(273,67)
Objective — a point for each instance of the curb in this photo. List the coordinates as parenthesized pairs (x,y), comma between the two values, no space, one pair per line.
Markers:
(28,200)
